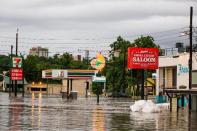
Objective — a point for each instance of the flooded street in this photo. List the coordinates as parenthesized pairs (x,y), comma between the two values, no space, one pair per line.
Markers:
(42,113)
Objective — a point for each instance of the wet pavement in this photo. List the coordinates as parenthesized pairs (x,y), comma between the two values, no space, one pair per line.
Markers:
(42,113)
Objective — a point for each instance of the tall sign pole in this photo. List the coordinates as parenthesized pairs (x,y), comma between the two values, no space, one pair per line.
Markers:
(143,59)
(190,56)
(142,84)
(99,64)
(17,42)
(15,91)
(11,82)
(23,79)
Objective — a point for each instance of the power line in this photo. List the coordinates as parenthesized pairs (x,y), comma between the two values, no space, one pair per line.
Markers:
(162,37)
(88,39)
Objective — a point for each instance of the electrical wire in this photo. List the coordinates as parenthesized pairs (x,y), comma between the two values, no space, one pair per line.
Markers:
(163,38)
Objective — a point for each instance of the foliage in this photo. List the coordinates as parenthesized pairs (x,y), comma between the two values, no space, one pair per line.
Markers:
(97,87)
(116,67)
(146,42)
(34,65)
(115,70)
(4,63)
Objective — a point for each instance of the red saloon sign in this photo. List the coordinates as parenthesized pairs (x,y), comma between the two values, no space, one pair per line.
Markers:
(16,74)
(143,58)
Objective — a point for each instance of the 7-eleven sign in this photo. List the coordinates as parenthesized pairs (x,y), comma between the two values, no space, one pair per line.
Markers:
(17,62)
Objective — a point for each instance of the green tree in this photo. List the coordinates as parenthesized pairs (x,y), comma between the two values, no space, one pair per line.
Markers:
(33,65)
(97,87)
(30,68)
(145,41)
(4,63)
(120,73)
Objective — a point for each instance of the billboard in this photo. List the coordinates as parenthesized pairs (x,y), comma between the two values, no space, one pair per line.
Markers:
(143,58)
(16,74)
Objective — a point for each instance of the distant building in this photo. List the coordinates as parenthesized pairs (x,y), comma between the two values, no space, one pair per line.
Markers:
(57,56)
(173,77)
(39,51)
(77,58)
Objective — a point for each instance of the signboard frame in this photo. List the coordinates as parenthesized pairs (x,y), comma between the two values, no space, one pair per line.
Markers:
(99,79)
(99,62)
(143,58)
(16,74)
(17,62)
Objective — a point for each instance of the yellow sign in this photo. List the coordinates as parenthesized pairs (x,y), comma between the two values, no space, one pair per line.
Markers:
(99,62)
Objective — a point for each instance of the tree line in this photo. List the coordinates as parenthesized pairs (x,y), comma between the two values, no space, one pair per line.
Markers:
(118,76)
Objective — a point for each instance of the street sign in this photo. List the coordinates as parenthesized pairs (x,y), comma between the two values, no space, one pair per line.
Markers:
(16,74)
(98,79)
(99,62)
(16,62)
(143,58)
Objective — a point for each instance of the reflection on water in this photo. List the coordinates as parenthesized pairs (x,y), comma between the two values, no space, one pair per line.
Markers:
(98,119)
(15,114)
(39,112)
(42,113)
(32,109)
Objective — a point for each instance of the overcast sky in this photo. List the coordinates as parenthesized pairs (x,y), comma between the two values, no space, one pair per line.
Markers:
(74,23)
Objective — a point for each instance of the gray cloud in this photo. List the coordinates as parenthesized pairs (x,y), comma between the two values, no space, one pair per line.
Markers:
(94,11)
(92,18)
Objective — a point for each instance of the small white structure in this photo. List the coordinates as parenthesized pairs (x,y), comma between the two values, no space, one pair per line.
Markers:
(39,51)
(148,106)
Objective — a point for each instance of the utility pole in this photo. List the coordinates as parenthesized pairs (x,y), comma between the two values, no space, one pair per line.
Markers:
(142,84)
(124,65)
(15,91)
(190,56)
(11,50)
(23,89)
(11,82)
(17,42)
(113,77)
(87,56)
(12,65)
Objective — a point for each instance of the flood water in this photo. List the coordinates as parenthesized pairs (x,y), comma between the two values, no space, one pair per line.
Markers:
(42,113)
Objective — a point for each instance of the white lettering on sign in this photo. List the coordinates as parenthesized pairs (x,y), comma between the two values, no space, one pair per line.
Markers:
(143,59)
(16,74)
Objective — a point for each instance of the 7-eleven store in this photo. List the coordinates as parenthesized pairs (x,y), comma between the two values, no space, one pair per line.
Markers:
(79,81)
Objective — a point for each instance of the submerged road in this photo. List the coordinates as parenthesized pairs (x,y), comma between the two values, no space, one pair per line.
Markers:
(42,113)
